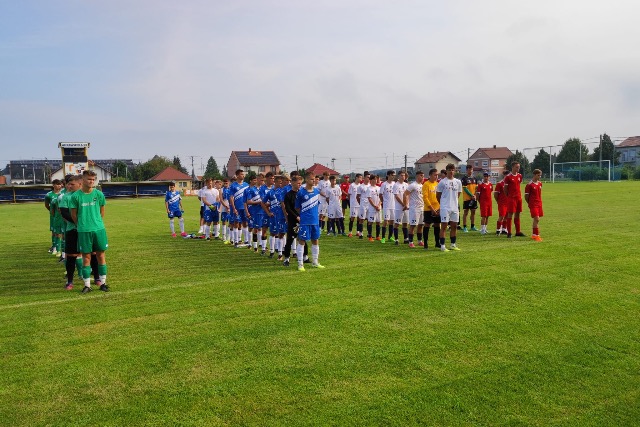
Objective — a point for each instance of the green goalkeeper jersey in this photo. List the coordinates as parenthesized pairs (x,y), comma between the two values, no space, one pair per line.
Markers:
(88,210)
(64,203)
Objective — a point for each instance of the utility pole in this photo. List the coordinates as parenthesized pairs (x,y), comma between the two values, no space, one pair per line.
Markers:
(405,165)
(600,164)
(297,168)
(193,171)
(468,154)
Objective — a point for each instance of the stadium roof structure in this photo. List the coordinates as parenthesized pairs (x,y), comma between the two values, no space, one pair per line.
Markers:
(256,158)
(436,156)
(632,141)
(319,169)
(171,174)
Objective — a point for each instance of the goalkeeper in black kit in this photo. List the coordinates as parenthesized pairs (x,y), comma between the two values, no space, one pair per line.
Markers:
(293,219)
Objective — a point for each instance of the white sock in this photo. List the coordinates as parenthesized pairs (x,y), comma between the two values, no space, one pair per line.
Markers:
(283,242)
(181,225)
(271,243)
(259,236)
(171,226)
(300,253)
(216,230)
(207,229)
(315,251)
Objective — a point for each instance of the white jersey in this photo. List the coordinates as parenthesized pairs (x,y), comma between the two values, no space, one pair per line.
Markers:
(450,189)
(353,193)
(323,187)
(200,194)
(415,196)
(335,194)
(398,190)
(362,191)
(386,190)
(373,193)
(211,195)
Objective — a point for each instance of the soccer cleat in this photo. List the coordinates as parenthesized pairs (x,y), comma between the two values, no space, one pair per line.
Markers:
(329,234)
(306,260)
(371,239)
(454,248)
(426,247)
(406,240)
(62,259)
(498,232)
(361,237)
(286,263)
(183,234)
(54,253)
(465,230)
(174,235)
(443,248)
(262,252)
(411,245)
(68,286)
(397,242)
(86,290)
(536,238)
(280,257)
(520,234)
(383,240)
(421,243)
(378,238)
(350,235)
(508,235)
(271,255)
(473,228)
(50,249)
(207,238)
(201,230)
(391,239)
(255,249)
(301,268)
(104,287)
(317,266)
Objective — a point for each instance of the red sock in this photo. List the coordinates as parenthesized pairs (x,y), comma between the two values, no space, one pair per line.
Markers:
(536,231)
(517,223)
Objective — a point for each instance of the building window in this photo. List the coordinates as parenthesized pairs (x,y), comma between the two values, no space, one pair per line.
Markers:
(261,169)
(485,163)
(475,163)
(273,169)
(182,184)
(495,162)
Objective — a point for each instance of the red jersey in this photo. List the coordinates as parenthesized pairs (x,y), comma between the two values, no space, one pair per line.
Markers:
(344,186)
(485,189)
(534,190)
(502,198)
(512,186)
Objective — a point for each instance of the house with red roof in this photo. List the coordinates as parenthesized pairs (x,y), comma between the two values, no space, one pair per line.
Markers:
(253,161)
(318,169)
(438,160)
(629,150)
(182,180)
(492,160)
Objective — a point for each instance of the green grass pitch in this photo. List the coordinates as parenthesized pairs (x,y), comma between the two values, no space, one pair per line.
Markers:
(198,333)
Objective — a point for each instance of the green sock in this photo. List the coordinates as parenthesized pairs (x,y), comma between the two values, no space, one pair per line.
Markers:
(102,269)
(86,272)
(79,266)
(53,240)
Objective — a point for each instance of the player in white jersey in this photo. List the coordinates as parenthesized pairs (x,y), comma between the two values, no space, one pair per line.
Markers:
(201,230)
(363,201)
(334,209)
(388,205)
(210,198)
(402,210)
(413,198)
(374,212)
(448,192)
(322,187)
(354,206)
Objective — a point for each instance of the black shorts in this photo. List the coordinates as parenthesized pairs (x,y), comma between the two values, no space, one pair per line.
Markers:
(201,211)
(465,205)
(430,219)
(345,204)
(71,242)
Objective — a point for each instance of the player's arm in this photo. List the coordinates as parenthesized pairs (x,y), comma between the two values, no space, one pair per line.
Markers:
(47,204)
(438,196)
(405,198)
(102,211)
(66,214)
(527,189)
(74,215)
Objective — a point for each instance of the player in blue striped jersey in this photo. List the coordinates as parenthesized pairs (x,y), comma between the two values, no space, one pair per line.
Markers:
(253,208)
(173,203)
(307,201)
(236,196)
(274,199)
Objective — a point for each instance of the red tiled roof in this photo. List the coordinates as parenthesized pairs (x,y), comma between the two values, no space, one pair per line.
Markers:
(632,141)
(491,153)
(171,174)
(436,157)
(3,180)
(319,169)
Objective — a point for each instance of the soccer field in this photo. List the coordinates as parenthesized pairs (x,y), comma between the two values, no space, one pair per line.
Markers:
(194,332)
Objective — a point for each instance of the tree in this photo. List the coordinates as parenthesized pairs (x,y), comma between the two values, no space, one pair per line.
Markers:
(178,165)
(520,158)
(212,170)
(608,151)
(541,161)
(119,169)
(249,176)
(225,174)
(152,167)
(573,150)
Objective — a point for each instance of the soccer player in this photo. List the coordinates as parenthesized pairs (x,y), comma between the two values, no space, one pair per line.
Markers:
(173,204)
(363,202)
(236,192)
(201,230)
(307,201)
(354,206)
(375,207)
(431,208)
(501,200)
(253,209)
(413,198)
(448,193)
(334,208)
(401,215)
(484,194)
(344,187)
(469,202)
(225,211)
(210,198)
(514,198)
(388,205)
(266,217)
(74,259)
(56,185)
(58,224)
(293,219)
(323,185)
(277,223)
(533,196)
(87,210)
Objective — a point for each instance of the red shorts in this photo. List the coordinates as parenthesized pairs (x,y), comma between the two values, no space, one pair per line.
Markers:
(536,211)
(486,209)
(502,210)
(514,205)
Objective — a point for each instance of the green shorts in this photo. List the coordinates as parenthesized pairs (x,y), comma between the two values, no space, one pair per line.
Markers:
(58,226)
(92,241)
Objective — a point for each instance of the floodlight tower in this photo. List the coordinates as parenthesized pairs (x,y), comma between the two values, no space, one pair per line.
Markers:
(74,157)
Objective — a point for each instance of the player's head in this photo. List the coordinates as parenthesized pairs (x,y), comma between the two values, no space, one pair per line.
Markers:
(88,178)
(285,178)
(239,175)
(260,178)
(296,180)
(172,186)
(505,172)
(485,176)
(515,167)
(451,169)
(278,180)
(358,178)
(419,176)
(391,175)
(433,174)
(225,182)
(57,184)
(345,178)
(443,173)
(469,170)
(402,176)
(366,177)
(209,182)
(310,179)
(537,173)
(74,182)
(293,174)
(325,175)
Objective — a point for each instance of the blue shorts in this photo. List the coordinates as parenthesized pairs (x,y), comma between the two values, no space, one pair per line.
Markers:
(177,214)
(266,220)
(211,216)
(277,224)
(257,219)
(309,232)
(241,217)
(224,216)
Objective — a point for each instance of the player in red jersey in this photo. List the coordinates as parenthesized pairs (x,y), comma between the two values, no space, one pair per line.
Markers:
(501,199)
(344,187)
(483,195)
(514,198)
(533,196)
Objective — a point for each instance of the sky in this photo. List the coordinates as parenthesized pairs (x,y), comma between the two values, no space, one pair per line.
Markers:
(363,82)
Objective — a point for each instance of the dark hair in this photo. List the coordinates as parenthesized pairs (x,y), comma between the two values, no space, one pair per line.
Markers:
(269,175)
(88,172)
(451,166)
(56,182)
(172,184)
(469,167)
(432,171)
(238,171)
(332,177)
(358,175)
(419,173)
(390,172)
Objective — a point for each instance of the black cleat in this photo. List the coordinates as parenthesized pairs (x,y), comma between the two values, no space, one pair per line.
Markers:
(508,235)
(262,252)
(104,288)
(307,261)
(86,290)
(271,255)
(286,263)
(521,234)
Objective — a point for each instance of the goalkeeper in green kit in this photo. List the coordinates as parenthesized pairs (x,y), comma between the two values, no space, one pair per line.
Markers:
(87,211)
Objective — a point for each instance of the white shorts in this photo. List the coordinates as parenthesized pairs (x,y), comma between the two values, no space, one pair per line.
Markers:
(353,211)
(373,215)
(362,212)
(401,216)
(449,216)
(322,209)
(334,212)
(416,217)
(389,214)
